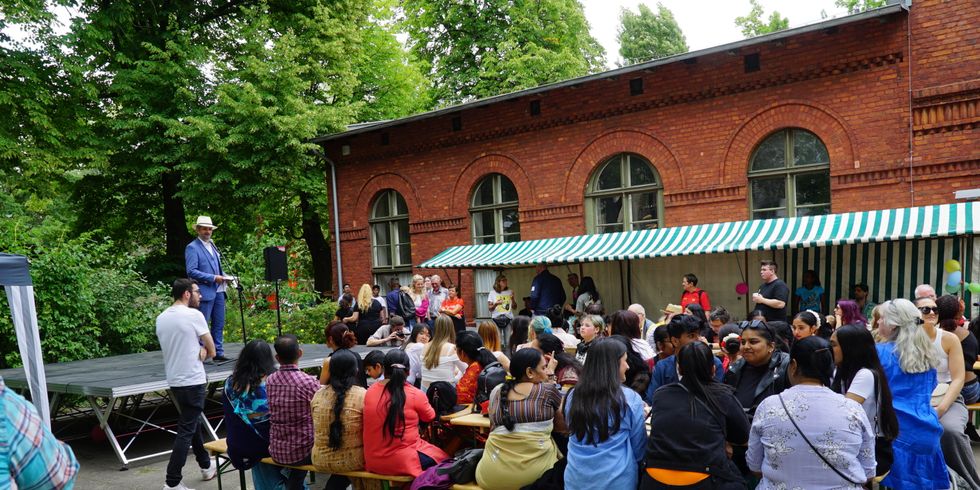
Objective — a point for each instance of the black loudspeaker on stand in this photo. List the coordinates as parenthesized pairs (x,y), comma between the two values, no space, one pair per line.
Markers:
(275,270)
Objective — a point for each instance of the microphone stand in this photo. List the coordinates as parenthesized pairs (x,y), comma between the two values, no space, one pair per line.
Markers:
(241,307)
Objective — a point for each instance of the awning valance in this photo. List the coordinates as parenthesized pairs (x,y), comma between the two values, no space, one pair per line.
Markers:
(769,234)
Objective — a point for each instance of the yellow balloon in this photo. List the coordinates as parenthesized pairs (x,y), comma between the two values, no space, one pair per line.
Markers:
(952,265)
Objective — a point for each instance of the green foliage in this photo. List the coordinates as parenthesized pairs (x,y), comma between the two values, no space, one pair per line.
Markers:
(646,35)
(485,48)
(307,324)
(752,24)
(855,6)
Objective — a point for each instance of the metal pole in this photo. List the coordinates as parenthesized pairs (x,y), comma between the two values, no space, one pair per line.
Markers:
(241,309)
(629,281)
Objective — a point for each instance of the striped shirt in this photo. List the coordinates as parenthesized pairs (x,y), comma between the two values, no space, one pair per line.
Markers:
(290,392)
(30,456)
(541,404)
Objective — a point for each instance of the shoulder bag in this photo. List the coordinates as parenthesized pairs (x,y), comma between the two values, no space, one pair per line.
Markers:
(814,448)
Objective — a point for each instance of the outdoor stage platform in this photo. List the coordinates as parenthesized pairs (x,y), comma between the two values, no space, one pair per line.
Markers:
(115,388)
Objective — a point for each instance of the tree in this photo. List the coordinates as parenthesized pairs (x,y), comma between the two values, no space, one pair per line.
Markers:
(855,6)
(489,47)
(752,24)
(646,35)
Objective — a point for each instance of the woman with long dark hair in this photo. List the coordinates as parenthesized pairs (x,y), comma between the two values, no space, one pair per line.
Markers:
(524,410)
(692,420)
(339,337)
(470,350)
(392,412)
(861,378)
(518,332)
(421,334)
(337,422)
(809,322)
(808,436)
(568,368)
(695,310)
(627,324)
(588,295)
(639,374)
(605,421)
(246,408)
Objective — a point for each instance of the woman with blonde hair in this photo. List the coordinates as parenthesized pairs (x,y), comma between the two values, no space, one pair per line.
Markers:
(491,340)
(420,298)
(367,315)
(500,302)
(439,359)
(909,361)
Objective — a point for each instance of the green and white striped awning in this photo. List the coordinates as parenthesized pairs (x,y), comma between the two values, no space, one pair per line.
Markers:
(770,234)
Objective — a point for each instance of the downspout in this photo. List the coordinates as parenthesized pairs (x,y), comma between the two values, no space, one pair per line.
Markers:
(336,215)
(908,37)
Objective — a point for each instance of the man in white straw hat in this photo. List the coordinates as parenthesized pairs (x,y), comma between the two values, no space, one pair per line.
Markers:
(203,263)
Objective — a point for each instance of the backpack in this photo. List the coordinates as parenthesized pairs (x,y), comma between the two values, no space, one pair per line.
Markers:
(490,377)
(407,305)
(442,397)
(435,478)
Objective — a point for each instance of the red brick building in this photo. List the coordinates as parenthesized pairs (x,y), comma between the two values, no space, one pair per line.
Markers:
(871,111)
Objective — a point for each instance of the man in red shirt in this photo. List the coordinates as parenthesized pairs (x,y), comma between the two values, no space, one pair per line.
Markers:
(694,294)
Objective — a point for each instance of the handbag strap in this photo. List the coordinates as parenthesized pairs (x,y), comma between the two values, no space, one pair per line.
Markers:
(788,415)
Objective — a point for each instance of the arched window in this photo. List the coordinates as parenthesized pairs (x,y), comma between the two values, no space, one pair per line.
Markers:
(493,211)
(625,194)
(389,233)
(789,176)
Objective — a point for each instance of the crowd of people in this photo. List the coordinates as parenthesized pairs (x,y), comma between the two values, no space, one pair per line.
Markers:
(695,399)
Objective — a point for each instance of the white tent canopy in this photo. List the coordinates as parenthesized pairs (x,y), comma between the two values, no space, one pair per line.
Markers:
(15,276)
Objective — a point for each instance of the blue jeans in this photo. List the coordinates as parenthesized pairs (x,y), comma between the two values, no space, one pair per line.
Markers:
(214,314)
(190,401)
(271,477)
(971,392)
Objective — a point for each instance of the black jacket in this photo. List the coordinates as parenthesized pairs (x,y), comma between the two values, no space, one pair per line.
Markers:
(768,385)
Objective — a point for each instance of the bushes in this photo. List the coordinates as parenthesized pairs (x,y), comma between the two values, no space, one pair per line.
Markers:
(260,321)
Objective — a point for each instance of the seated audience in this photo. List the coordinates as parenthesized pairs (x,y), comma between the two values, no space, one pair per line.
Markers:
(808,436)
(524,411)
(719,317)
(861,378)
(393,334)
(337,418)
(950,315)
(847,312)
(340,337)
(627,324)
(439,360)
(31,456)
(683,330)
(470,350)
(661,341)
(646,324)
(374,371)
(806,323)
(605,419)
(699,314)
(246,408)
(558,327)
(909,361)
(490,333)
(591,329)
(568,369)
(290,393)
(731,346)
(416,341)
(392,412)
(951,373)
(691,422)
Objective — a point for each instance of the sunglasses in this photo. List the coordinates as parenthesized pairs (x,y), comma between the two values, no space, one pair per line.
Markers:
(757,325)
(929,309)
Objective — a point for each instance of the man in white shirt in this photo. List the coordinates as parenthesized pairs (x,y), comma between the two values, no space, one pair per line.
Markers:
(181,330)
(436,297)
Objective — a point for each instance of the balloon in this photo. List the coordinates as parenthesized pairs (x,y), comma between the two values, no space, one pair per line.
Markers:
(954,278)
(952,265)
(741,288)
(952,288)
(975,287)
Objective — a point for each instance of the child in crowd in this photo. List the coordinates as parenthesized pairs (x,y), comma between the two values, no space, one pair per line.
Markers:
(373,369)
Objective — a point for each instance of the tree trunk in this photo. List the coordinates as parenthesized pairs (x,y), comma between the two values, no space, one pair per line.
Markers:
(318,245)
(174,220)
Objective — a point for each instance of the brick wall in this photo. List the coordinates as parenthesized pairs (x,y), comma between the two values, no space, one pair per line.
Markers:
(698,123)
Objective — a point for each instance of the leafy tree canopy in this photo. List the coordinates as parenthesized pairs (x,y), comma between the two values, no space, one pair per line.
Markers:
(753,24)
(855,6)
(649,35)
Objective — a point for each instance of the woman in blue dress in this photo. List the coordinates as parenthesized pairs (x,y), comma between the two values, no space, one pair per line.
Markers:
(909,362)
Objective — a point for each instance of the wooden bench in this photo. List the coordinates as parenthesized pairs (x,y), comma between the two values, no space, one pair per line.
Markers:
(466,486)
(219,450)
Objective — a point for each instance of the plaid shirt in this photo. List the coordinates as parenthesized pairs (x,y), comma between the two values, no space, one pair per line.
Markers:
(290,392)
(29,454)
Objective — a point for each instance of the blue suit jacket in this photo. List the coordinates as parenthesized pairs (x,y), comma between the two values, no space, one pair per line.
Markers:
(202,267)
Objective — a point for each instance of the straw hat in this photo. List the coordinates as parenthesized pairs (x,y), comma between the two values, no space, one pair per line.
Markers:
(672,309)
(204,221)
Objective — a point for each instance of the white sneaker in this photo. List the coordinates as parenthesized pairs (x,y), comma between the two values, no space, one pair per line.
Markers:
(180,486)
(209,472)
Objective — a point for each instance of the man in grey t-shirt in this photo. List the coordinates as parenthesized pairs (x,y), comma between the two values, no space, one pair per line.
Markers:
(181,330)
